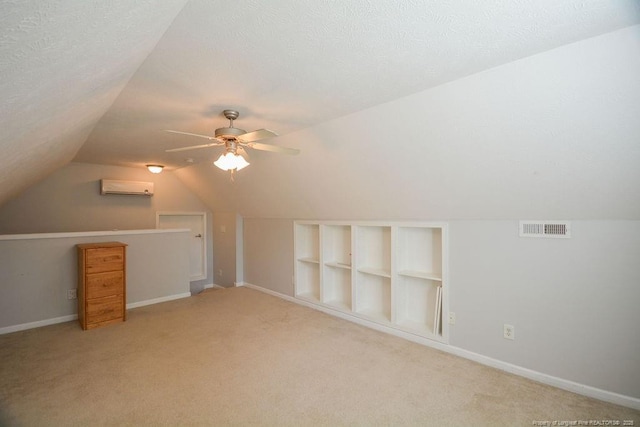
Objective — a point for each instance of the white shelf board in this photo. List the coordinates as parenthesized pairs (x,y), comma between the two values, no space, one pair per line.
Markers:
(339,304)
(310,260)
(338,265)
(374,315)
(420,275)
(375,272)
(415,327)
(308,296)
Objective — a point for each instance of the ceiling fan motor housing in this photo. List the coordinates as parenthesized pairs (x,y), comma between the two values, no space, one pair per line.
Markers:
(234,139)
(229,133)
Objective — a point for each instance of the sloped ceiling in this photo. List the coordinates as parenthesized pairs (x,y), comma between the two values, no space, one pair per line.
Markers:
(554,135)
(100,84)
(62,65)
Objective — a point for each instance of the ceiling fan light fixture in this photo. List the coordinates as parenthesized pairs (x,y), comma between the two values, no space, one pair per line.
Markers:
(155,168)
(231,161)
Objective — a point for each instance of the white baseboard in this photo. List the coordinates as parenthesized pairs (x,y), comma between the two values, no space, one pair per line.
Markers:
(158,300)
(585,390)
(70,317)
(37,324)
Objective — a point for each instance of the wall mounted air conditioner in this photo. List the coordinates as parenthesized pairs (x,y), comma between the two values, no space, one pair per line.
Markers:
(134,188)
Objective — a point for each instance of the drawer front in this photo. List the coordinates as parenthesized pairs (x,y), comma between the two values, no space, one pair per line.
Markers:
(104,309)
(104,259)
(105,284)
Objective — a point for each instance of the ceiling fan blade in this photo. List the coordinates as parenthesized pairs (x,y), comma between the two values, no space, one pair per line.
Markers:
(256,135)
(273,148)
(191,134)
(193,147)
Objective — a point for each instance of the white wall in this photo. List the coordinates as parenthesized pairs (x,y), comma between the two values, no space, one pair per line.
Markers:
(224,242)
(38,269)
(69,200)
(268,254)
(572,301)
(552,136)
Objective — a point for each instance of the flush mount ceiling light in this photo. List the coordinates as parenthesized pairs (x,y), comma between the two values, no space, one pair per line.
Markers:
(155,168)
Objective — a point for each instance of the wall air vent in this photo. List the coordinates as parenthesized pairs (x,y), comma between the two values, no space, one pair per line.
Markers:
(549,229)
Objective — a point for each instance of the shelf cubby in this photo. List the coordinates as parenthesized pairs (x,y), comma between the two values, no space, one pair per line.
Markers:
(337,287)
(336,259)
(373,297)
(419,252)
(416,304)
(336,245)
(307,265)
(307,242)
(308,280)
(373,252)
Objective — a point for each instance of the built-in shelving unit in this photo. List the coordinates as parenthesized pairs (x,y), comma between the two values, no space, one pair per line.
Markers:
(389,273)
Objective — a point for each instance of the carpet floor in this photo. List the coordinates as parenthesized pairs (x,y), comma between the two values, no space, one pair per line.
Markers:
(241,357)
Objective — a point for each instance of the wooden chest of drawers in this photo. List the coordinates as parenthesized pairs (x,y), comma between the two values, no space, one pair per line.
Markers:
(101,284)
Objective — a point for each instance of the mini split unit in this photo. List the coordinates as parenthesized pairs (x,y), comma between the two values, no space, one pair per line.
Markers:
(132,188)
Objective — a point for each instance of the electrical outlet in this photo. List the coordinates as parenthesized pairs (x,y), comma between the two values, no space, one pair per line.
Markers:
(219,272)
(452,318)
(72,293)
(509,332)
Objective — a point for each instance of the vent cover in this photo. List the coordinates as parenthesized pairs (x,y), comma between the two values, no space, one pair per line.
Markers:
(549,229)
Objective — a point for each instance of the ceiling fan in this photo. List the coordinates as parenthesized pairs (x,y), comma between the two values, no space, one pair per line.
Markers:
(235,141)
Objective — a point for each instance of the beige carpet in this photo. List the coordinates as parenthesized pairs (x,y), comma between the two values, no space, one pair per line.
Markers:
(241,357)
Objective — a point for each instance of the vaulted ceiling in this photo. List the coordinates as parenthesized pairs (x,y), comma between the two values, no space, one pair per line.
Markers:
(100,82)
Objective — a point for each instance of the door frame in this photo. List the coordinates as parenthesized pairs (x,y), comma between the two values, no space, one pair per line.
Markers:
(203,216)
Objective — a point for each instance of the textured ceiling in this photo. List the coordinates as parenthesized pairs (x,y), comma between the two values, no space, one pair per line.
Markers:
(62,64)
(287,65)
(87,81)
